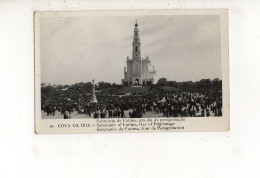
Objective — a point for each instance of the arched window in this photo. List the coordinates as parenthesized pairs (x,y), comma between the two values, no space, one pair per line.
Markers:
(136,48)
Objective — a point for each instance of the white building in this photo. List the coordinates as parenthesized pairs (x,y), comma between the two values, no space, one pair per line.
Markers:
(139,71)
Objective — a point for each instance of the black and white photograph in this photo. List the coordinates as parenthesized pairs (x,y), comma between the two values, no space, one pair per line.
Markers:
(129,89)
(132,65)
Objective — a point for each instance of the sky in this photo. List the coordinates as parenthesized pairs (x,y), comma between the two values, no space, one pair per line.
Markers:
(79,49)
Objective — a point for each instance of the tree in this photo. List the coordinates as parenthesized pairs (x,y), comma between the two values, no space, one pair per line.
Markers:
(104,84)
(205,82)
(101,84)
(172,83)
(88,86)
(216,81)
(162,82)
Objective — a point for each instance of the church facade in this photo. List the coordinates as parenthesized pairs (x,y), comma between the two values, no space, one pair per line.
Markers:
(138,70)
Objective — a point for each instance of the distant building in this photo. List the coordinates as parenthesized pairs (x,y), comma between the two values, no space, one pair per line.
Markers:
(139,70)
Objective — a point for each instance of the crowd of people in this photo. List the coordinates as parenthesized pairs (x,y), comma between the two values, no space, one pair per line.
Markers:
(159,102)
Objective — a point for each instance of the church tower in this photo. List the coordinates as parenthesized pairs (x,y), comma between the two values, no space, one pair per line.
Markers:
(138,70)
(136,44)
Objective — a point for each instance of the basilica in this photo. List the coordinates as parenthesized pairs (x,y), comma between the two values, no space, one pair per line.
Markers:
(138,70)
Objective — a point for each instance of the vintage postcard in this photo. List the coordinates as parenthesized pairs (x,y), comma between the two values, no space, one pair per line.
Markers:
(132,71)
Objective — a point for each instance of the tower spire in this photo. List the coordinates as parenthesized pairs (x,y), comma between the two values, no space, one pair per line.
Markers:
(136,43)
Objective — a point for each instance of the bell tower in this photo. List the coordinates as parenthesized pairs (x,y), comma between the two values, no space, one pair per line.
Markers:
(138,70)
(136,44)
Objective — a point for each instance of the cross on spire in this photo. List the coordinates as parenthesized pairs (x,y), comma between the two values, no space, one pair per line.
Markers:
(136,24)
